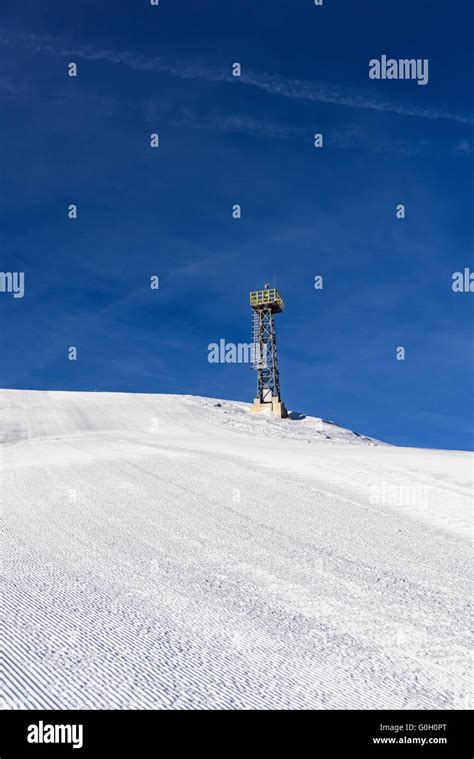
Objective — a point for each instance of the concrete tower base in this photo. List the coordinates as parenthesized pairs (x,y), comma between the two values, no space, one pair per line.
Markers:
(275,406)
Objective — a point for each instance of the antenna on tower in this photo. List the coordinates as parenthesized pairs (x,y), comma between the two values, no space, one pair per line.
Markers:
(265,303)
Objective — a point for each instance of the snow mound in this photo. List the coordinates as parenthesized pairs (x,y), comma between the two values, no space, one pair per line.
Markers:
(165,551)
(296,427)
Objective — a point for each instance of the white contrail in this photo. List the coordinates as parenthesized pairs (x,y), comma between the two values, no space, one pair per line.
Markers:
(273,84)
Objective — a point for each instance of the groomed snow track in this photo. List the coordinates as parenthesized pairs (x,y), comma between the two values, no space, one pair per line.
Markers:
(177,552)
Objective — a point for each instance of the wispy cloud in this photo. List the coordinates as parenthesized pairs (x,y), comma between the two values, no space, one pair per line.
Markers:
(272,84)
(464,146)
(294,88)
(347,138)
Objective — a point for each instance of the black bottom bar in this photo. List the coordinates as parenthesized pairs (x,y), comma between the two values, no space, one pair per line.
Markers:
(159,733)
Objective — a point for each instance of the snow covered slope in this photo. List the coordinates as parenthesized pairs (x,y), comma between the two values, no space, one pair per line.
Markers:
(178,552)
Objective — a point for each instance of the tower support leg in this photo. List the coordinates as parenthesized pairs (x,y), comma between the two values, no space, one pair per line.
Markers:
(275,406)
(266,363)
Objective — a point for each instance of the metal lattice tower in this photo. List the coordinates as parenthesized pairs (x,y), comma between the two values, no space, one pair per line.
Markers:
(265,303)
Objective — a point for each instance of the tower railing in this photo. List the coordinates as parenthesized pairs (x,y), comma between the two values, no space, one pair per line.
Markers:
(268,297)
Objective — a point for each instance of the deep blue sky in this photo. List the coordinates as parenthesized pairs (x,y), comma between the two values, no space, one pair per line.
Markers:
(249,141)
